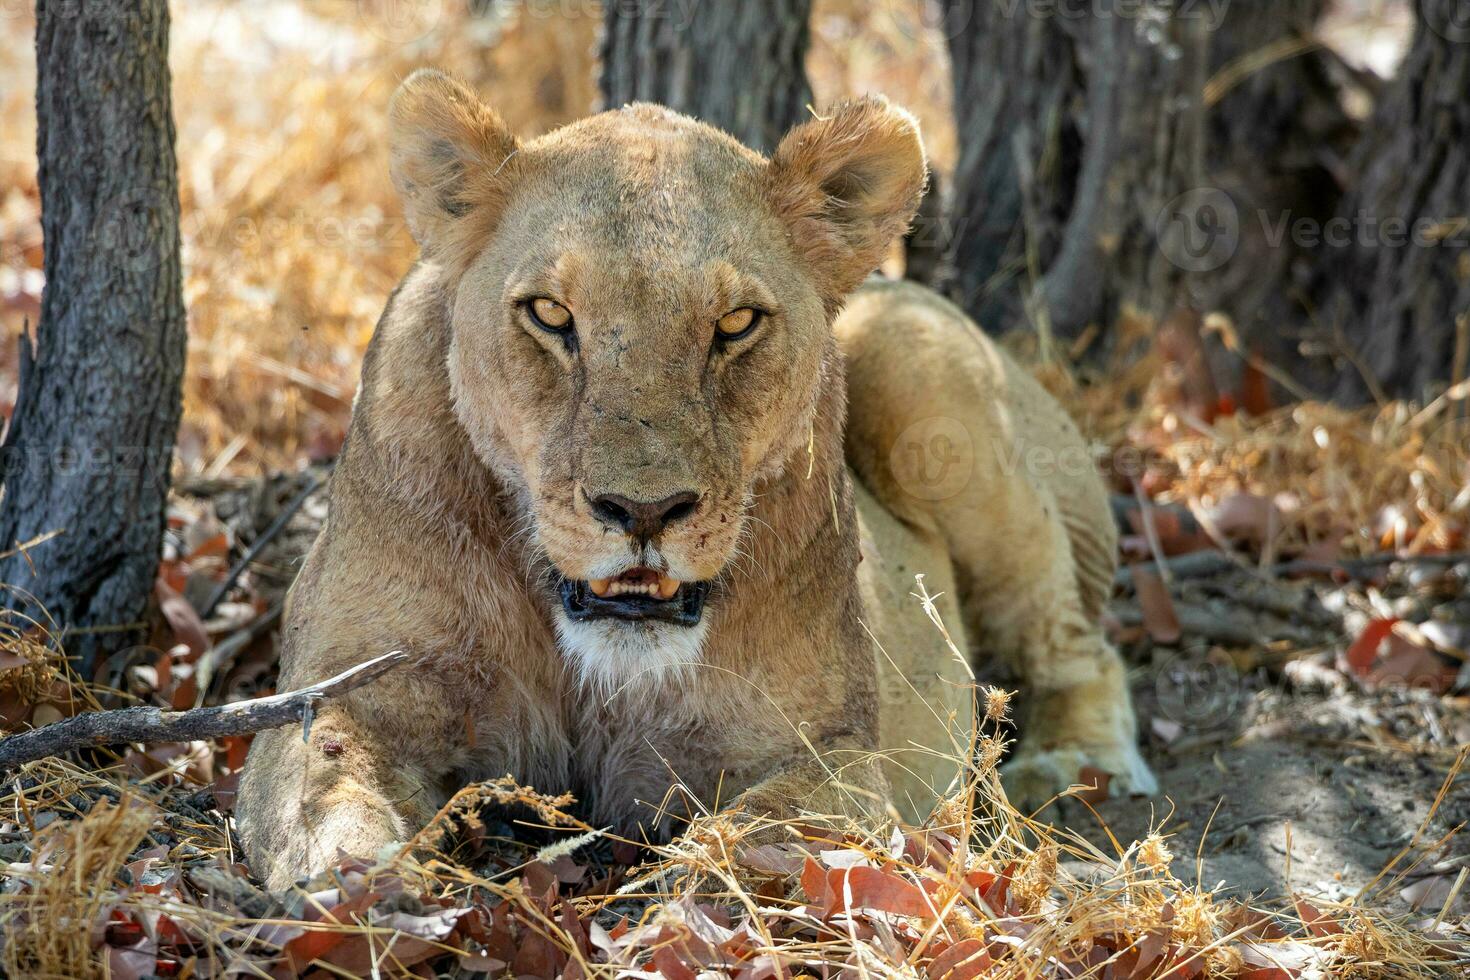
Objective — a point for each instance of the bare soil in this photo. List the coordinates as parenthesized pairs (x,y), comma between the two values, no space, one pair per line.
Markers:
(1277,791)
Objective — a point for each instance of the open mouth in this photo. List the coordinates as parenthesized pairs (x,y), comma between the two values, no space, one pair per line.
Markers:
(637,594)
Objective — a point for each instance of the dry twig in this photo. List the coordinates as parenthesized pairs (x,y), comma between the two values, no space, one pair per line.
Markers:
(148,724)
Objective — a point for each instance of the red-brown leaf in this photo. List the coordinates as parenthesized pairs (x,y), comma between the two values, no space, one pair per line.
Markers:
(1407,664)
(870,888)
(814,885)
(1364,651)
(1317,923)
(315,943)
(182,618)
(1159,617)
(213,547)
(667,962)
(964,960)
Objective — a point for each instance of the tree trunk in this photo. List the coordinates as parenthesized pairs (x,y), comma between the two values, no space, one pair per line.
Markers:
(1277,142)
(91,440)
(740,66)
(1394,273)
(1078,125)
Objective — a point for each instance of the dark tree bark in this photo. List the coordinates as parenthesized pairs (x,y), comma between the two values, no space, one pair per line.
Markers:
(740,66)
(1394,274)
(1080,128)
(1277,140)
(1274,115)
(91,440)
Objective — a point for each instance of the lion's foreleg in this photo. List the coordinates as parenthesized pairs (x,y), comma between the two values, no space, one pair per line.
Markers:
(343,790)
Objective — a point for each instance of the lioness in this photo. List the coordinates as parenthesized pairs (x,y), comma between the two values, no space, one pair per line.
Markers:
(596,484)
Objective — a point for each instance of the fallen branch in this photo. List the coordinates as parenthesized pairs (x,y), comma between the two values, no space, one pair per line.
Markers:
(1196,564)
(1207,563)
(1201,622)
(1359,568)
(258,545)
(147,724)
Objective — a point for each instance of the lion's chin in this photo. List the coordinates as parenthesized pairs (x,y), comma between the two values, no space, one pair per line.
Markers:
(615,654)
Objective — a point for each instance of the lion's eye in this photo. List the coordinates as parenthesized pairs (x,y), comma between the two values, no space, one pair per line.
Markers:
(550,315)
(737,323)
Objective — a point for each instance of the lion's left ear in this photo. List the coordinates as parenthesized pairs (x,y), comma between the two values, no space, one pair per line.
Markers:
(847,184)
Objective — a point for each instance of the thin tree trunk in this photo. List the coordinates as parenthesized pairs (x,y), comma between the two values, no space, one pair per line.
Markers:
(1078,128)
(91,439)
(740,66)
(1395,273)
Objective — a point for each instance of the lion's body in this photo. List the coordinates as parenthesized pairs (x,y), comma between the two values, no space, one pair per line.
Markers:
(971,474)
(475,448)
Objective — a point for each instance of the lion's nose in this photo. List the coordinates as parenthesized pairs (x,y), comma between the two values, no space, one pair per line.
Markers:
(643,519)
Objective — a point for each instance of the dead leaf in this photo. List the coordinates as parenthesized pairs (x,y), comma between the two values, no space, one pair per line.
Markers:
(216,546)
(1097,781)
(777,859)
(963,960)
(1317,923)
(1432,892)
(871,888)
(1364,651)
(1165,730)
(1157,605)
(1246,518)
(313,944)
(1407,664)
(182,618)
(132,964)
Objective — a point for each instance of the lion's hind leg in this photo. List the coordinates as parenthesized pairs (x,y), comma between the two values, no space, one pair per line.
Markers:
(1077,713)
(949,434)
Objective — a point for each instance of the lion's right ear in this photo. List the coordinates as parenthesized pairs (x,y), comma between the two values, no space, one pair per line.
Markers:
(448,156)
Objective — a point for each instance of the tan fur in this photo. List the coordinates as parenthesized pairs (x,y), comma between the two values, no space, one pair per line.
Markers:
(478,440)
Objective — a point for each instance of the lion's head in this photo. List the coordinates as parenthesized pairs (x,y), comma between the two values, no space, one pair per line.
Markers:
(640,329)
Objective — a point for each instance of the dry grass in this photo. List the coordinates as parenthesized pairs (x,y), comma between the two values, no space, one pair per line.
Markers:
(67,888)
(1359,481)
(112,875)
(979,890)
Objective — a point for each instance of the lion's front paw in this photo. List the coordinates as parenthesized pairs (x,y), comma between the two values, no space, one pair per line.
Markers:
(1033,777)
